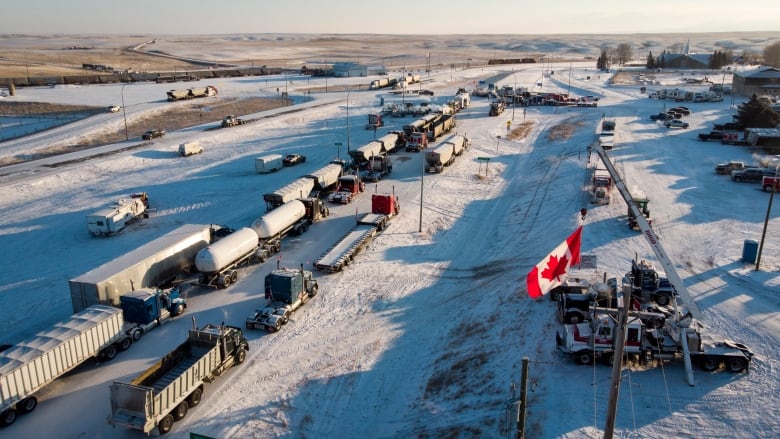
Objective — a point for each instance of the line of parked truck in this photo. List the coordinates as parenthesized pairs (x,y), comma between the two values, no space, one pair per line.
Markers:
(191,93)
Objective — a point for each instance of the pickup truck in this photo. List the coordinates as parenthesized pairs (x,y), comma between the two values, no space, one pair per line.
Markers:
(712,135)
(751,174)
(726,168)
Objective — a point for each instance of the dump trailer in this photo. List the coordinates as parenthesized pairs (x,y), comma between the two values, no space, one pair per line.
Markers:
(459,143)
(121,213)
(27,367)
(286,290)
(165,392)
(383,208)
(294,217)
(156,263)
(299,188)
(389,142)
(326,177)
(439,157)
(361,155)
(219,262)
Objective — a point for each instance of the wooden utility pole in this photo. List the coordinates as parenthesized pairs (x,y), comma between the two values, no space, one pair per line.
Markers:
(523,400)
(617,363)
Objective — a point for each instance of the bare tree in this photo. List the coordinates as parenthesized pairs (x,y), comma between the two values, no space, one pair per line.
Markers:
(623,54)
(772,55)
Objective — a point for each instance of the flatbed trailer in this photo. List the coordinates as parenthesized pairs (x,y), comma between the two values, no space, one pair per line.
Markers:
(383,208)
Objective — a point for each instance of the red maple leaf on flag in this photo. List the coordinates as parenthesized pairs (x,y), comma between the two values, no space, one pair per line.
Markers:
(555,268)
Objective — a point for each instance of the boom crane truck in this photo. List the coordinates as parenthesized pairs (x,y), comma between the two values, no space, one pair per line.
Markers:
(684,325)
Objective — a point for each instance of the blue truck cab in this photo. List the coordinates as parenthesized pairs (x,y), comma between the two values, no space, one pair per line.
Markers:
(147,308)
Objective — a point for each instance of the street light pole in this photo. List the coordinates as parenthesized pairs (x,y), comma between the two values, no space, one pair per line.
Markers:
(124,112)
(514,96)
(349,90)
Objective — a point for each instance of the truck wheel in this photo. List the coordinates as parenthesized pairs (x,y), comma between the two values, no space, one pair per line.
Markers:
(27,404)
(180,411)
(240,355)
(165,425)
(125,343)
(136,334)
(178,309)
(735,364)
(195,397)
(233,276)
(573,318)
(314,290)
(662,300)
(585,358)
(7,417)
(709,363)
(108,353)
(224,282)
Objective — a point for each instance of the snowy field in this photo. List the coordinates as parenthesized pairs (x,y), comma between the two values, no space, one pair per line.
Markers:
(423,335)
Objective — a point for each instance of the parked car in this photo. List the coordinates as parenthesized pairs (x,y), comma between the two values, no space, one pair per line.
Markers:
(293,159)
(682,110)
(113,108)
(676,123)
(371,176)
(152,134)
(660,116)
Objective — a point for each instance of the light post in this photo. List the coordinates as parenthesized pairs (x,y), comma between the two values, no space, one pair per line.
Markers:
(766,220)
(514,96)
(422,180)
(124,112)
(349,90)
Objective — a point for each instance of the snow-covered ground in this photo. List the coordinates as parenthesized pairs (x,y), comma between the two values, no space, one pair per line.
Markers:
(423,335)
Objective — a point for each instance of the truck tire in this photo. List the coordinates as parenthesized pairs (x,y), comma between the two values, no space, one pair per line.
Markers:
(573,318)
(165,425)
(735,364)
(585,358)
(27,404)
(662,299)
(136,334)
(224,282)
(125,343)
(108,353)
(709,363)
(314,290)
(240,355)
(195,397)
(7,417)
(178,309)
(180,411)
(233,276)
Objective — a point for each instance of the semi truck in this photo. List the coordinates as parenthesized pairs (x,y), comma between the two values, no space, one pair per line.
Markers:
(383,208)
(286,290)
(374,121)
(587,341)
(158,263)
(96,332)
(164,393)
(145,309)
(191,93)
(231,121)
(349,186)
(361,155)
(121,213)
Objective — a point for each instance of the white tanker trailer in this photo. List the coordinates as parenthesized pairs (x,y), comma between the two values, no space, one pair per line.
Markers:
(218,262)
(292,217)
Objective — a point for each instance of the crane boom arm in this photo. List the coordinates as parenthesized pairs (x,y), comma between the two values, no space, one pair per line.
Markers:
(655,242)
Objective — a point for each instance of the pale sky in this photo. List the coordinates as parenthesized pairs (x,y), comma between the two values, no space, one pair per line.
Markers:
(200,17)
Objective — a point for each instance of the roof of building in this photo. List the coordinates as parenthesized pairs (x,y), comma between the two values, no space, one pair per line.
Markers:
(762,72)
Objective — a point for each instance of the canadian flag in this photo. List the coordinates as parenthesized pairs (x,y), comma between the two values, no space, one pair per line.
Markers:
(553,270)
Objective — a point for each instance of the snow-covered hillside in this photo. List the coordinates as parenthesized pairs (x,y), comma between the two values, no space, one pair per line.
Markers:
(423,335)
